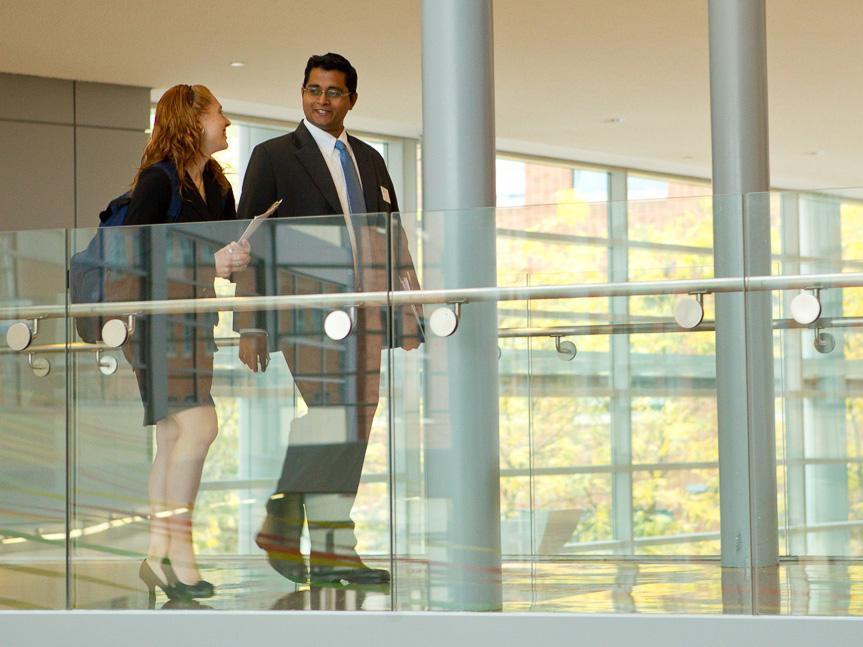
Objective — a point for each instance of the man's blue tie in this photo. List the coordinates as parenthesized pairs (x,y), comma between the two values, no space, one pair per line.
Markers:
(356,202)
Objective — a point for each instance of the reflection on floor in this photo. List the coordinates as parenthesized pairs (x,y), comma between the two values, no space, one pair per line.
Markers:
(811,587)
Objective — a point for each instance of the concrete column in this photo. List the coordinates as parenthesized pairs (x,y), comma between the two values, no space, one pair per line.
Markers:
(462,464)
(744,357)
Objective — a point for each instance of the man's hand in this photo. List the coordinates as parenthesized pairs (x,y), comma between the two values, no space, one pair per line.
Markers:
(253,350)
(410,342)
(232,258)
(412,328)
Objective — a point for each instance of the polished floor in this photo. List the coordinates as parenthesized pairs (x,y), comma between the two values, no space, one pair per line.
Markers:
(810,587)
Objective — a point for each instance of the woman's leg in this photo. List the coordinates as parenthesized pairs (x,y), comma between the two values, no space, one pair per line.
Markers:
(166,436)
(197,429)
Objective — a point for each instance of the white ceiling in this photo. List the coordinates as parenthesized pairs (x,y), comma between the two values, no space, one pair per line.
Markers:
(563,69)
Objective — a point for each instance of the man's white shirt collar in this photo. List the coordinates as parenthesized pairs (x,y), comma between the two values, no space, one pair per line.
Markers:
(325,141)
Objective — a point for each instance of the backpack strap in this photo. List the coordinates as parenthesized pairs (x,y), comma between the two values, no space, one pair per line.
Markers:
(176,205)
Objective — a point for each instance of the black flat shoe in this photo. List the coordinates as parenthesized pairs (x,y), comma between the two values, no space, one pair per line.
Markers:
(183,591)
(345,570)
(149,577)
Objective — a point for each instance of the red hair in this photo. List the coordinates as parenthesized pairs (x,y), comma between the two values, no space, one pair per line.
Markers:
(177,135)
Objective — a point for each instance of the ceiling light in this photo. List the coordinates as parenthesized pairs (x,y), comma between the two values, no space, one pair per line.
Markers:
(814,153)
(237,64)
(614,120)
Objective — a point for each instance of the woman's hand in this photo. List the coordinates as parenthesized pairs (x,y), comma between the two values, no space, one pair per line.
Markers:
(232,258)
(253,349)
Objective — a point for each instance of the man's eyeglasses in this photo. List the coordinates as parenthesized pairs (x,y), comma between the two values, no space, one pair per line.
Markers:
(332,93)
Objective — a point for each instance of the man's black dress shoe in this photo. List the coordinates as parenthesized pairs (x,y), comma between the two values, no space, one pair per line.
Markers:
(288,564)
(328,568)
(280,537)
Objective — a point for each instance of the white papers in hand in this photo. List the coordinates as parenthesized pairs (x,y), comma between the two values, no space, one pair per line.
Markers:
(258,220)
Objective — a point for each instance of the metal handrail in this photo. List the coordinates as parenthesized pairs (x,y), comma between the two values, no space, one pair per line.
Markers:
(647,327)
(60,347)
(429,297)
(637,328)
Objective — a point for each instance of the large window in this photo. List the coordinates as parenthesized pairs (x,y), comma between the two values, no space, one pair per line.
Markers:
(652,394)
(523,182)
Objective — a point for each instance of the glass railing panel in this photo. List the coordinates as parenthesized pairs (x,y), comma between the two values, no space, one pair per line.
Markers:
(568,497)
(448,484)
(607,445)
(648,499)
(570,409)
(292,460)
(816,258)
(671,381)
(33,372)
(608,420)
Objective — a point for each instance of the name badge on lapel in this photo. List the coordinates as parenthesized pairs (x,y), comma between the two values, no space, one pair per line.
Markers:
(385,194)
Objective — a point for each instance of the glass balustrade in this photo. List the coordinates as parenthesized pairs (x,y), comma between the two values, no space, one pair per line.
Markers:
(33,420)
(511,409)
(814,345)
(608,452)
(273,416)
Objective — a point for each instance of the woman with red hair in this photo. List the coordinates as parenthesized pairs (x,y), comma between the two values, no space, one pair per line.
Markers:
(179,181)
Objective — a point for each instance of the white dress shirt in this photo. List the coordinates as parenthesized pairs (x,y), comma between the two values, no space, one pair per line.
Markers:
(327,143)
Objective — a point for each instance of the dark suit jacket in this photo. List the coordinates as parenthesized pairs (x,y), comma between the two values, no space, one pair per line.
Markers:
(292,168)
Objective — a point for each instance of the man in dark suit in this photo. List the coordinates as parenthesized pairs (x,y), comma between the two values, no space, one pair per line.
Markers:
(319,169)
